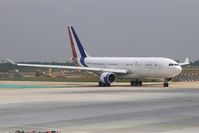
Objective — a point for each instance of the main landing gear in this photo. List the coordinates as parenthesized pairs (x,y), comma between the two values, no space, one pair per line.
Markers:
(136,83)
(101,84)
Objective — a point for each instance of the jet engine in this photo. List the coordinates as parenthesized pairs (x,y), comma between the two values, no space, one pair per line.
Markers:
(107,78)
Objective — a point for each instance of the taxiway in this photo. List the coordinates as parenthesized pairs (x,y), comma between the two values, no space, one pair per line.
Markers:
(86,108)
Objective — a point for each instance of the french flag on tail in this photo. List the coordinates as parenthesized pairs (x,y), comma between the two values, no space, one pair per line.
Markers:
(78,51)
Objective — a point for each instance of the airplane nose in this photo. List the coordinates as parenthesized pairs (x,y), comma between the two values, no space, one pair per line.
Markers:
(178,69)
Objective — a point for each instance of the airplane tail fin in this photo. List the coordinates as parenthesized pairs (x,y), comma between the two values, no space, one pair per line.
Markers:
(76,46)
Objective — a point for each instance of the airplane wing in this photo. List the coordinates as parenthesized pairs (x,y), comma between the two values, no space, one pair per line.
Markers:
(93,69)
(186,62)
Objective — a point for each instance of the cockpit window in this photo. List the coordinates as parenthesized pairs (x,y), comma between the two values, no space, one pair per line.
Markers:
(171,64)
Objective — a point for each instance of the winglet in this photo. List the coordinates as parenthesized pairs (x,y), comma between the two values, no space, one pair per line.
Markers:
(11,61)
(186,62)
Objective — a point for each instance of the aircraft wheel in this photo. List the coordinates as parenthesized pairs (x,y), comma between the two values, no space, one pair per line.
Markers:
(100,84)
(165,84)
(136,82)
(132,83)
(139,83)
(108,85)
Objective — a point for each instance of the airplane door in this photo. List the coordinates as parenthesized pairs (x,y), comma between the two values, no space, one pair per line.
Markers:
(138,66)
(105,64)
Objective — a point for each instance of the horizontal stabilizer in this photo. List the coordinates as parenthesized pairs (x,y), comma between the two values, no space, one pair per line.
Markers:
(11,61)
(186,62)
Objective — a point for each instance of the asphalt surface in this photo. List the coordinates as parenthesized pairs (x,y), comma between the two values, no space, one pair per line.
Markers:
(92,109)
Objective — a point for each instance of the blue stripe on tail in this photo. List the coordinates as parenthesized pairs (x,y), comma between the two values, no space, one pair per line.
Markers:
(82,61)
(81,49)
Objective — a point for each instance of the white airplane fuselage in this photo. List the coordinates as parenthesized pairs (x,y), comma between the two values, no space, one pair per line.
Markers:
(138,67)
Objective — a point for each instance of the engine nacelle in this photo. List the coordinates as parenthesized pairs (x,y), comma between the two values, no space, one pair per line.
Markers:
(107,77)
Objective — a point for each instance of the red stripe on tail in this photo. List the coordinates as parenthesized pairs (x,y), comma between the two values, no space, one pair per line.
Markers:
(72,45)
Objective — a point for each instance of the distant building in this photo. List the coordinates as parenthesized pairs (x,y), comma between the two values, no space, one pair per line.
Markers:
(188,75)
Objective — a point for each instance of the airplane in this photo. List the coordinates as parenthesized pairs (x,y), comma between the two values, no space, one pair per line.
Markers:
(109,69)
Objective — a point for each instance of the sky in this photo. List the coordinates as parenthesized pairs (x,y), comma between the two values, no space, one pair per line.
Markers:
(36,30)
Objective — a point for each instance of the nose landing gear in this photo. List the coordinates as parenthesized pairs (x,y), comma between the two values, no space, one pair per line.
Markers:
(165,84)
